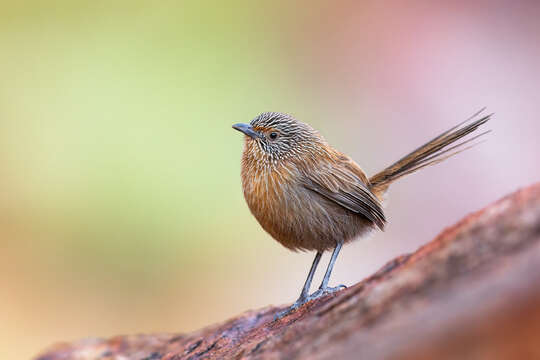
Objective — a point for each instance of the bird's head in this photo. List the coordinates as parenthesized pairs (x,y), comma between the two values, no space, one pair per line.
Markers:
(278,135)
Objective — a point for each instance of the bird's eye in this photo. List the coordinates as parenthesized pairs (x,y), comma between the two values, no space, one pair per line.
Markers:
(273,135)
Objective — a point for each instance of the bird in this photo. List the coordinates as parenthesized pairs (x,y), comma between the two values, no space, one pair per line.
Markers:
(311,197)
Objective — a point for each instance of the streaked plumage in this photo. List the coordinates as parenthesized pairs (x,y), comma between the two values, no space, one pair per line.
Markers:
(309,196)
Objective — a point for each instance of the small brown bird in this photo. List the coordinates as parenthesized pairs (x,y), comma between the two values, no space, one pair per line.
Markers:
(309,196)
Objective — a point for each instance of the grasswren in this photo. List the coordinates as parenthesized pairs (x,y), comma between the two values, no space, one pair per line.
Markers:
(309,196)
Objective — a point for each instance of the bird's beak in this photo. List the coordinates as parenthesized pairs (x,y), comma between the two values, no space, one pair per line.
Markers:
(246,129)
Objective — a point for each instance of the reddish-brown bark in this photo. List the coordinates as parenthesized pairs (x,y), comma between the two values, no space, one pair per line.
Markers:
(473,292)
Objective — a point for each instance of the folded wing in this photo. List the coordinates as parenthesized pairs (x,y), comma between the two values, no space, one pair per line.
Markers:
(344,183)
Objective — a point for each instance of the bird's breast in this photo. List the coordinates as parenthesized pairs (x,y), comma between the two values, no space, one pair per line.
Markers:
(292,214)
(271,195)
(266,189)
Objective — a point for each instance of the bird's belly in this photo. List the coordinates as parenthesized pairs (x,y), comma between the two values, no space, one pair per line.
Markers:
(300,219)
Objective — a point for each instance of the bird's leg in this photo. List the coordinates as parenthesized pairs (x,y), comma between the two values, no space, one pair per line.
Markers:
(324,289)
(304,295)
(305,290)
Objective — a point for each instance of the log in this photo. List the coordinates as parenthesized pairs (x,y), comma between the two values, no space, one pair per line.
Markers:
(473,292)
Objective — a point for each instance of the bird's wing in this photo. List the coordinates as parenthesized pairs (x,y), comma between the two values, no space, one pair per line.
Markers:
(344,183)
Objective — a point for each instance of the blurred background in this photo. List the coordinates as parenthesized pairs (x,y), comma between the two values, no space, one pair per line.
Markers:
(121,208)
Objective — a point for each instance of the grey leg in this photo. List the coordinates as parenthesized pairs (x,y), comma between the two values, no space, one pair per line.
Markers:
(305,290)
(324,289)
(304,295)
(330,267)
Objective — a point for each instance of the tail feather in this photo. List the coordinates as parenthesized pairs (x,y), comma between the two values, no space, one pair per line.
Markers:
(433,152)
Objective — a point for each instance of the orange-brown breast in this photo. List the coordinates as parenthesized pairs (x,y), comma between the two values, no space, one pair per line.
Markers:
(264,186)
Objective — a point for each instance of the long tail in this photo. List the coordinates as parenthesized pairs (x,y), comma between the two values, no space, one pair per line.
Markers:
(431,153)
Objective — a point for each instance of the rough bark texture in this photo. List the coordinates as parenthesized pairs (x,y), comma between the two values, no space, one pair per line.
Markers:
(471,293)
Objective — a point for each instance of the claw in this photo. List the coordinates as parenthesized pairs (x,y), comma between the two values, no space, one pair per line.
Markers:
(326,291)
(303,300)
(290,309)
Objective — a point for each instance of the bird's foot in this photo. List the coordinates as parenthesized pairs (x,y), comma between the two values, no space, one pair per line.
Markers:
(325,291)
(301,301)
(304,299)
